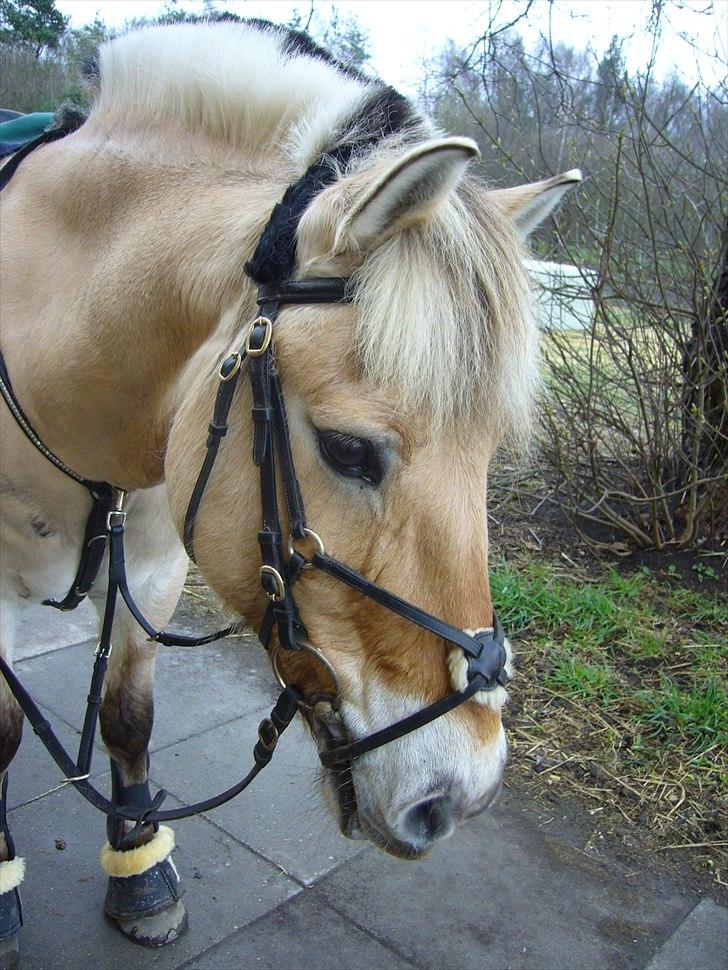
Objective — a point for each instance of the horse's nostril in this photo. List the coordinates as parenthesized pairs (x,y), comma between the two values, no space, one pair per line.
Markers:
(430,820)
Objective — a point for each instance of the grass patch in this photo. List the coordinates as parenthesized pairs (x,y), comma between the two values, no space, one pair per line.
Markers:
(622,694)
(583,681)
(699,715)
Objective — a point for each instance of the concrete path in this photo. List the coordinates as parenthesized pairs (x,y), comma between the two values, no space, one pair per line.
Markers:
(270,882)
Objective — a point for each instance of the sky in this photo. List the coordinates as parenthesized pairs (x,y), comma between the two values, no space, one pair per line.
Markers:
(406,33)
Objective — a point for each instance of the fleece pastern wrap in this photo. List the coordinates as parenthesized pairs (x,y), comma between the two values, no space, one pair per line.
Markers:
(132,862)
(11,874)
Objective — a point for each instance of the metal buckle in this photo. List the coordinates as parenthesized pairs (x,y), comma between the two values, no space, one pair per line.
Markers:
(268,734)
(280,592)
(237,361)
(310,534)
(259,351)
(117,516)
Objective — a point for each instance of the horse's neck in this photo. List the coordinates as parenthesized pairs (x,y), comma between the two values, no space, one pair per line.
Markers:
(122,273)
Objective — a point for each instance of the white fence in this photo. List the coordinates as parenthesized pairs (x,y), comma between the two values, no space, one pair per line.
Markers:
(563,295)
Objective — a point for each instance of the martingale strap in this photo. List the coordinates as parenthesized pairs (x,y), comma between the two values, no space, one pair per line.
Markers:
(94,544)
(269,731)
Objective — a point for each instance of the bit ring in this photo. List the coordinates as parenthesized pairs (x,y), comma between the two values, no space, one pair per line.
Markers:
(306,647)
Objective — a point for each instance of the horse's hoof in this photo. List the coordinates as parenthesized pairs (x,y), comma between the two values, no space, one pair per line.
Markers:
(146,907)
(10,953)
(11,920)
(157,930)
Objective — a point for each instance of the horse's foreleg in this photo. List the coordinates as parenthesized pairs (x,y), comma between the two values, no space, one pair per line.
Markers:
(12,867)
(144,890)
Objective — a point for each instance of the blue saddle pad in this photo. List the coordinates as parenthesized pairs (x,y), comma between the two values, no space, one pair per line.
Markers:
(19,131)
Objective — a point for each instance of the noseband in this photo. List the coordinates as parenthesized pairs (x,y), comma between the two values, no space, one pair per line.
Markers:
(282,563)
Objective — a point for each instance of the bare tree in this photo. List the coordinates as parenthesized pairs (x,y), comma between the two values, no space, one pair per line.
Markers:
(634,425)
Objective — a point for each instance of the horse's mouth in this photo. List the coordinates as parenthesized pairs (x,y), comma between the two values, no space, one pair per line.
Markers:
(328,733)
(354,821)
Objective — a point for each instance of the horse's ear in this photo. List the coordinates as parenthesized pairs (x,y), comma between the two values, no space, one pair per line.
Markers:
(528,205)
(405,191)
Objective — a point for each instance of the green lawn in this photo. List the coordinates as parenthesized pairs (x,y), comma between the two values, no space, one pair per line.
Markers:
(622,694)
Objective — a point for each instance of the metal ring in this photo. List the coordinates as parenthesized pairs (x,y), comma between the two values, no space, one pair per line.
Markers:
(280,592)
(237,361)
(259,351)
(311,535)
(306,647)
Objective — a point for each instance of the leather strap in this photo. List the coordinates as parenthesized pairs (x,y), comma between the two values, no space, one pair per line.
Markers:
(341,754)
(281,716)
(92,551)
(323,289)
(27,428)
(291,489)
(471,646)
(215,433)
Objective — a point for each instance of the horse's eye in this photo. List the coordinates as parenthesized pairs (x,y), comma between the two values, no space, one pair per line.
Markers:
(350,456)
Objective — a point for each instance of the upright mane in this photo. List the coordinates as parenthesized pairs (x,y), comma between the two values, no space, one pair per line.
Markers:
(445,313)
(250,83)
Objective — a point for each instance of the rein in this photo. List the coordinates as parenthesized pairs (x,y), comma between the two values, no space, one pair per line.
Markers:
(282,564)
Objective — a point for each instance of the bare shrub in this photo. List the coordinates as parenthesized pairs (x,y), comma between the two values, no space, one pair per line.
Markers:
(635,422)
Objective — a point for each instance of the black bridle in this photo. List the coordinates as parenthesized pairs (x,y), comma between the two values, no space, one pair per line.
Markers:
(485,651)
(282,563)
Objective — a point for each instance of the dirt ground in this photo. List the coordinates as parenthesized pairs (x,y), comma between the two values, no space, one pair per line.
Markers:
(613,817)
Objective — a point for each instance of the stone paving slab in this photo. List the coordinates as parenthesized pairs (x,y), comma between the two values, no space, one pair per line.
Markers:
(42,629)
(34,771)
(227,886)
(195,688)
(700,942)
(303,932)
(282,815)
(500,893)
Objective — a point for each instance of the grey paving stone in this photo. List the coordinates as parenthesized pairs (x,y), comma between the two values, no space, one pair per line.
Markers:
(227,887)
(33,771)
(699,943)
(304,932)
(195,687)
(42,628)
(500,893)
(281,815)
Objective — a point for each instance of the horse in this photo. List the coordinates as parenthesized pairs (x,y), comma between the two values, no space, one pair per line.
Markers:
(125,247)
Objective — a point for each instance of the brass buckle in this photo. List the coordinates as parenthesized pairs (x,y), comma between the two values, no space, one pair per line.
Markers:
(278,579)
(237,360)
(259,351)
(316,538)
(268,734)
